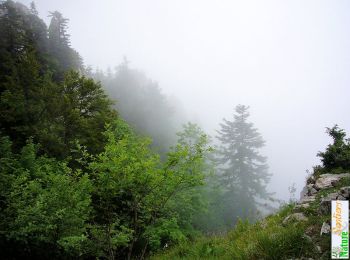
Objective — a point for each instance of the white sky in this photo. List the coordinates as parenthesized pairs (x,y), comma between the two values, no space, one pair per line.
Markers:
(288,60)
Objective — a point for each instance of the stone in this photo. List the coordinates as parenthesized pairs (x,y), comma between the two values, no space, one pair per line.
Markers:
(329,180)
(307,238)
(312,191)
(294,217)
(325,229)
(345,192)
(303,193)
(310,230)
(340,197)
(332,196)
(318,249)
(311,179)
(325,206)
(307,199)
(301,206)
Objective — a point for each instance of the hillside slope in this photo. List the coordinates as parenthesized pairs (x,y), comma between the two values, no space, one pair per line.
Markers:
(298,231)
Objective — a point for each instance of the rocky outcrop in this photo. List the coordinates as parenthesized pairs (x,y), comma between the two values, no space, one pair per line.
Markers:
(325,203)
(314,192)
(329,180)
(324,181)
(294,217)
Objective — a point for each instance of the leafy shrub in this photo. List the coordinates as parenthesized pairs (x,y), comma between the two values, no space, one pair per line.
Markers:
(336,158)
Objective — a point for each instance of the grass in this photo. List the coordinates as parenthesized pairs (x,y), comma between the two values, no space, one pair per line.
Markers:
(267,239)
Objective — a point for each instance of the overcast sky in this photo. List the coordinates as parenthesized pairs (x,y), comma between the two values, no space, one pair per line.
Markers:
(288,60)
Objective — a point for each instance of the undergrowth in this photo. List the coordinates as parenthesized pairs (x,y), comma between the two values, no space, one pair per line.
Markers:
(266,239)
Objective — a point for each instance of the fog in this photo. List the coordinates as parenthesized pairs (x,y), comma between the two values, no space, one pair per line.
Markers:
(288,60)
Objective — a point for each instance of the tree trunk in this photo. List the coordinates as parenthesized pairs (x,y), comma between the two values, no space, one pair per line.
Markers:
(144,251)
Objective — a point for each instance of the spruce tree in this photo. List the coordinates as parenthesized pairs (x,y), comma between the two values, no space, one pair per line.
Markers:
(59,45)
(244,171)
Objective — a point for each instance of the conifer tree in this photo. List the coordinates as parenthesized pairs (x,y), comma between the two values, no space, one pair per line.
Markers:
(59,46)
(244,171)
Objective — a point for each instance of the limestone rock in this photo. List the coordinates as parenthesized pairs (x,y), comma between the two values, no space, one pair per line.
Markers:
(329,180)
(325,229)
(312,191)
(332,196)
(294,217)
(307,199)
(311,179)
(325,206)
(318,249)
(301,206)
(304,192)
(345,192)
(341,197)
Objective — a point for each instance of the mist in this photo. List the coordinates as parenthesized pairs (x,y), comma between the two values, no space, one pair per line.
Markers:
(287,60)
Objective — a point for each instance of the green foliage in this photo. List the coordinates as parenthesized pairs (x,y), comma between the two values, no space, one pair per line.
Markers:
(74,189)
(79,111)
(163,232)
(43,204)
(336,158)
(77,182)
(135,195)
(39,97)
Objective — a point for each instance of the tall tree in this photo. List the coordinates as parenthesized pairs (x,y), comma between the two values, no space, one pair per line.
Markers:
(59,43)
(244,171)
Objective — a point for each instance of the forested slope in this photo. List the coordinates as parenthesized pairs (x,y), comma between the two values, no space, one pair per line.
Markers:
(76,182)
(81,179)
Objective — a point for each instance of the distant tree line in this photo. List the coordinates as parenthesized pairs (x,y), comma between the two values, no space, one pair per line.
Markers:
(141,103)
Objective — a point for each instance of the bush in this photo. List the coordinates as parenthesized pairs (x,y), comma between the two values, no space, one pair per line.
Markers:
(336,158)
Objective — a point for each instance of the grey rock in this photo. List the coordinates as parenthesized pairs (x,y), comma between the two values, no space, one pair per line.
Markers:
(329,180)
(345,192)
(308,189)
(303,193)
(294,217)
(301,206)
(312,191)
(340,197)
(332,196)
(311,179)
(325,206)
(307,199)
(325,229)
(318,249)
